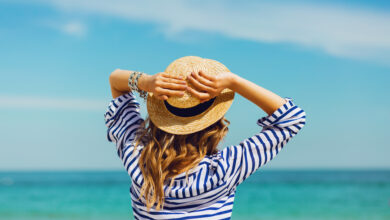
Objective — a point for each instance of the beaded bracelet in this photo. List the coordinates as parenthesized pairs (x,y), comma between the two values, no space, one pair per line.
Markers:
(132,78)
(133,84)
(143,94)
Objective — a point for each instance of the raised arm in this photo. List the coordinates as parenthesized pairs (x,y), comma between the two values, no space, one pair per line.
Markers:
(123,116)
(284,120)
(213,85)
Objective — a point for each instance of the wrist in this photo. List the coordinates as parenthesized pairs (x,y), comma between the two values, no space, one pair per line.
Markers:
(143,82)
(232,81)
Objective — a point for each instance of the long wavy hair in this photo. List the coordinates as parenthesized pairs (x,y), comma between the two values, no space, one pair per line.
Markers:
(166,155)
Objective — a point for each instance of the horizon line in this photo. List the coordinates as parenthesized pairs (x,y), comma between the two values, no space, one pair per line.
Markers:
(266,169)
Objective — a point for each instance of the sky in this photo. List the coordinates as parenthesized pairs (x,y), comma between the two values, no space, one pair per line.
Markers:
(331,57)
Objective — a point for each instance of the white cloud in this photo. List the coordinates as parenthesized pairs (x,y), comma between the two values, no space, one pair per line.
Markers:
(338,30)
(36,102)
(74,28)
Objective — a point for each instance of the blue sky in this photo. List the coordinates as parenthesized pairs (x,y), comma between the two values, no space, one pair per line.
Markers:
(331,57)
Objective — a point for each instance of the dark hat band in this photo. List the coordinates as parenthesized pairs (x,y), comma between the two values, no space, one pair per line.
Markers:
(188,112)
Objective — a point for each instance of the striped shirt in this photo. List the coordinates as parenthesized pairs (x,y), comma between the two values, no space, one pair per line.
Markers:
(210,189)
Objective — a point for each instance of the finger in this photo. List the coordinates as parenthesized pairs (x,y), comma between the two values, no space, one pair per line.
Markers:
(171,80)
(199,85)
(169,92)
(207,76)
(173,86)
(200,95)
(162,97)
(172,76)
(203,79)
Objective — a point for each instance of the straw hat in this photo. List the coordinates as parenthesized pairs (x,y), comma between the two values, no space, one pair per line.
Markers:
(186,115)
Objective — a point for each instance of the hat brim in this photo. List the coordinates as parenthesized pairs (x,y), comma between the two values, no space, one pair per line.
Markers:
(168,122)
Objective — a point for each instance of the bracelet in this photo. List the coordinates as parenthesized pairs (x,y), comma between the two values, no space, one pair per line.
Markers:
(131,79)
(136,80)
(133,83)
(143,94)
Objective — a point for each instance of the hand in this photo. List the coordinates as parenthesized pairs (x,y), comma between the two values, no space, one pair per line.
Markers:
(163,85)
(208,86)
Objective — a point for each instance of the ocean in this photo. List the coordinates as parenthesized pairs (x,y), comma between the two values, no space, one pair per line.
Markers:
(267,194)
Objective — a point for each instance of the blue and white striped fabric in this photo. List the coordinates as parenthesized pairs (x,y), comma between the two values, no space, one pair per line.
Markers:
(209,192)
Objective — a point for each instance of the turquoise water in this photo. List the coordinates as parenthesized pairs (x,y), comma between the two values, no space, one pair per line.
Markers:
(265,195)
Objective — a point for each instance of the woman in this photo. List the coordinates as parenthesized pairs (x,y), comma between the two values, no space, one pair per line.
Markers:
(176,170)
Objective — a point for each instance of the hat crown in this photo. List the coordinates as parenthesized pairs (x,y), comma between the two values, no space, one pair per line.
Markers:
(184,66)
(185,115)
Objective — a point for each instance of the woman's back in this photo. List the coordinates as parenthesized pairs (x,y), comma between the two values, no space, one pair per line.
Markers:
(209,190)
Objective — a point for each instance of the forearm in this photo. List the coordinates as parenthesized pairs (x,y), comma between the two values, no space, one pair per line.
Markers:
(119,82)
(265,99)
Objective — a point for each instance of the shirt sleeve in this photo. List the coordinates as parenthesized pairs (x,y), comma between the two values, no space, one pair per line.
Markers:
(240,161)
(123,119)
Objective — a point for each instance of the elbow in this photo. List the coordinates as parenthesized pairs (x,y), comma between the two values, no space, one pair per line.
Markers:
(303,117)
(115,71)
(113,75)
(299,121)
(302,120)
